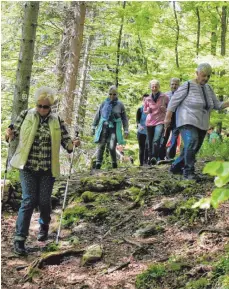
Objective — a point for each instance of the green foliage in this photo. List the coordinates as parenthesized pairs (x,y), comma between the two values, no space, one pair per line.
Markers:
(186,212)
(222,267)
(150,277)
(202,283)
(52,247)
(220,170)
(76,212)
(88,197)
(219,150)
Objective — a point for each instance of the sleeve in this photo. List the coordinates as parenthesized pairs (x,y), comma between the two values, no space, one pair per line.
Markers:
(18,122)
(178,97)
(138,115)
(66,141)
(97,116)
(124,119)
(217,104)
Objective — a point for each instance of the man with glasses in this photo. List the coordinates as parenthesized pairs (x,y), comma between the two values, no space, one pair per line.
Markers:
(107,126)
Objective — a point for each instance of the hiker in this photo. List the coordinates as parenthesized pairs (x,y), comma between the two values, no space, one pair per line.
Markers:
(171,150)
(40,133)
(212,135)
(192,117)
(155,107)
(107,126)
(142,133)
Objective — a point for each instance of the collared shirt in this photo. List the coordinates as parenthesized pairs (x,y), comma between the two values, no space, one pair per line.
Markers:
(40,153)
(191,109)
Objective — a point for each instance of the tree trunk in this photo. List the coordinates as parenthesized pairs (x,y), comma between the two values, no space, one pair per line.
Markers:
(177,34)
(145,59)
(80,107)
(223,30)
(118,48)
(214,38)
(198,31)
(77,27)
(25,62)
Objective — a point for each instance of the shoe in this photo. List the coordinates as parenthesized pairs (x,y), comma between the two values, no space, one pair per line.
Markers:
(190,177)
(43,233)
(19,248)
(97,166)
(114,165)
(176,171)
(153,161)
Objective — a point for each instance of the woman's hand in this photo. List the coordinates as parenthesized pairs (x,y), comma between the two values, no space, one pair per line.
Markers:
(76,142)
(9,134)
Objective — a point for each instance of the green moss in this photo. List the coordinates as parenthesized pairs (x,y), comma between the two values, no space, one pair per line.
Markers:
(186,212)
(88,197)
(52,247)
(221,267)
(102,198)
(201,283)
(99,213)
(151,277)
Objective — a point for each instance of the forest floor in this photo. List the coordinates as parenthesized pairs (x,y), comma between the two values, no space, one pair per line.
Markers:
(149,221)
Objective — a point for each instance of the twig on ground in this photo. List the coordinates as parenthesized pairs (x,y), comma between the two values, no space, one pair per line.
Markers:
(118,225)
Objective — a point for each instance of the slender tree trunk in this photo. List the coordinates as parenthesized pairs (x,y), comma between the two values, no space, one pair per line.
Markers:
(77,27)
(198,31)
(118,48)
(80,106)
(214,37)
(223,30)
(177,34)
(25,62)
(145,59)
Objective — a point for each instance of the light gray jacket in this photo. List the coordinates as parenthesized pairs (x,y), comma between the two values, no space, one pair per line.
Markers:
(191,108)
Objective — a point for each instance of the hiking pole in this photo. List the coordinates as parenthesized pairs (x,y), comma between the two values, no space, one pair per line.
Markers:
(7,161)
(65,193)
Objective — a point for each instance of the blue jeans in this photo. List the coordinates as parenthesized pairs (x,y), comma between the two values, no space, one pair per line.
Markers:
(36,191)
(193,138)
(154,134)
(107,137)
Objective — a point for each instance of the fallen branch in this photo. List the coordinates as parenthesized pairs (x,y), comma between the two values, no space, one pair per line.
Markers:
(116,268)
(132,242)
(54,258)
(118,225)
(212,230)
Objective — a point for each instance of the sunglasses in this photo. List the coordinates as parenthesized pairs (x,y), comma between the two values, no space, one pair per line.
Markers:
(112,94)
(43,106)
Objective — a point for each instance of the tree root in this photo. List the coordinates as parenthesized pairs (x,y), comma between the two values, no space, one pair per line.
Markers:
(53,258)
(118,225)
(213,230)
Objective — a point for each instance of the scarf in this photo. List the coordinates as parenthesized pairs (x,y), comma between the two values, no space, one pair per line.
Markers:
(107,108)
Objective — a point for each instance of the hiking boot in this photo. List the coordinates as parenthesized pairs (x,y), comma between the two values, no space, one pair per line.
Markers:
(176,171)
(153,161)
(97,166)
(19,248)
(114,165)
(191,177)
(43,233)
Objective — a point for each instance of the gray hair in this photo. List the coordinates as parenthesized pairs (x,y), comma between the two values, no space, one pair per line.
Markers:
(154,81)
(45,92)
(113,88)
(175,79)
(204,67)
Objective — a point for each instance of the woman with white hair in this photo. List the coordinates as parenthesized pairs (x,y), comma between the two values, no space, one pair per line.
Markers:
(155,108)
(40,133)
(107,126)
(193,103)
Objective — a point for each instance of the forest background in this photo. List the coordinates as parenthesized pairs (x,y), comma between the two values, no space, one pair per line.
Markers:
(81,48)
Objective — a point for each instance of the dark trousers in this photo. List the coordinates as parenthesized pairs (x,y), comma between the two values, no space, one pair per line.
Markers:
(154,134)
(193,138)
(36,191)
(143,148)
(107,137)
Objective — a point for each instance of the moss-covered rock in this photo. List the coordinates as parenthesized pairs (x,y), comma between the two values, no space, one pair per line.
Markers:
(92,254)
(88,197)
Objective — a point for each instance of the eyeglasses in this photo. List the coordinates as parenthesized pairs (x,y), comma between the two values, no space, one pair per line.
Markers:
(112,94)
(43,106)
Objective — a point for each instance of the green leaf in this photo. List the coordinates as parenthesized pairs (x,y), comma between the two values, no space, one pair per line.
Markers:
(212,168)
(203,203)
(218,196)
(221,181)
